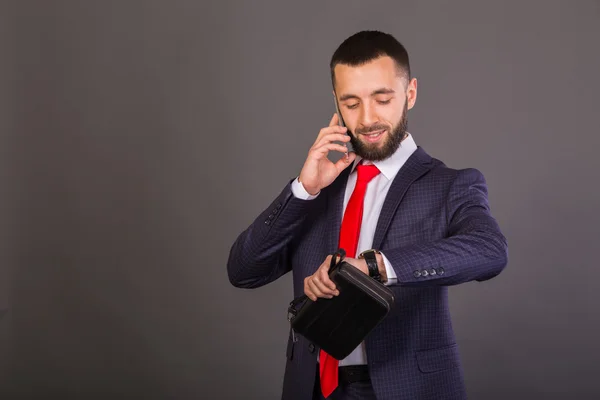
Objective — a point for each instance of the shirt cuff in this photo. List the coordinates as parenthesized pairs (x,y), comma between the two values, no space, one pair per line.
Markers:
(391,274)
(299,191)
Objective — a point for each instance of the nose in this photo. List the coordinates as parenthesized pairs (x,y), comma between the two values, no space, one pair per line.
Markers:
(367,116)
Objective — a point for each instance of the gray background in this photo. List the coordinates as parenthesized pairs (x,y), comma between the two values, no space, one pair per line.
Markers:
(6,132)
(139,138)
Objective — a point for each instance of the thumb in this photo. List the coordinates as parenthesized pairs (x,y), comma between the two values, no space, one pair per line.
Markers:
(344,162)
(327,263)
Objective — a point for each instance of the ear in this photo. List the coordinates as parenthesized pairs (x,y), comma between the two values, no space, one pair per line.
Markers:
(411,93)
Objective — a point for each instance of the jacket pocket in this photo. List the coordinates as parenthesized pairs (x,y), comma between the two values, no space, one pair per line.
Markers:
(438,359)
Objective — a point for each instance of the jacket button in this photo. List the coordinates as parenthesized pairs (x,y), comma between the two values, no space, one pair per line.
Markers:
(417,274)
(275,211)
(432,271)
(424,272)
(267,222)
(271,216)
(440,271)
(278,206)
(311,348)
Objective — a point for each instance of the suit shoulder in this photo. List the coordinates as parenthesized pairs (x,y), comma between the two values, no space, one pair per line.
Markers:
(441,171)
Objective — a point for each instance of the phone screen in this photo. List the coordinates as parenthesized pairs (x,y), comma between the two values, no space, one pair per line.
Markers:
(341,123)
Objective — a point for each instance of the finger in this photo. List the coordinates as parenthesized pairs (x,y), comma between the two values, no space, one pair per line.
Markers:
(344,162)
(307,291)
(310,295)
(332,137)
(330,147)
(333,140)
(325,264)
(324,279)
(335,120)
(331,129)
(312,285)
(323,151)
(319,282)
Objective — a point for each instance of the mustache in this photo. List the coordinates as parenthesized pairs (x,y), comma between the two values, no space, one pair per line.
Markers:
(370,129)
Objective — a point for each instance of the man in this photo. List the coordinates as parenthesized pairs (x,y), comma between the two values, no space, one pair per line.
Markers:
(430,227)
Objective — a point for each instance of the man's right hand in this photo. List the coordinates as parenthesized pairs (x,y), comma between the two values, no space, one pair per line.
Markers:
(319,285)
(318,171)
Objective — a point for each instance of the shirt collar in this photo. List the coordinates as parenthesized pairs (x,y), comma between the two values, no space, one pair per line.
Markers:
(391,165)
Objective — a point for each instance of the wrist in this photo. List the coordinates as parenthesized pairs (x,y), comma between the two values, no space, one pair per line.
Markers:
(358,263)
(381,267)
(362,265)
(375,265)
(310,190)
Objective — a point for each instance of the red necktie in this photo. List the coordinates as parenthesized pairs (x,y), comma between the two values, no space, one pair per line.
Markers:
(350,231)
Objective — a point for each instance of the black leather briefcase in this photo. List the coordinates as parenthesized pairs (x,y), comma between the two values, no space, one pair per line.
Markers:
(338,325)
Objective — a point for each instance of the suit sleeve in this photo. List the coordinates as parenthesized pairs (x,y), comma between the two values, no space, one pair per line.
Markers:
(474,248)
(261,253)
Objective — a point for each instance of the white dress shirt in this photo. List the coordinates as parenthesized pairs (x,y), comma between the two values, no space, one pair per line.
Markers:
(377,190)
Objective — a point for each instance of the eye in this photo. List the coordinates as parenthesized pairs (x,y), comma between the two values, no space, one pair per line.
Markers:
(352,106)
(384,101)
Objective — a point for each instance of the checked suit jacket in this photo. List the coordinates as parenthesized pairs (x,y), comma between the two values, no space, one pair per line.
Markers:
(435,228)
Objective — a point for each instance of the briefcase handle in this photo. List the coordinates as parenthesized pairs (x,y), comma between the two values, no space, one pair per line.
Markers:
(293,309)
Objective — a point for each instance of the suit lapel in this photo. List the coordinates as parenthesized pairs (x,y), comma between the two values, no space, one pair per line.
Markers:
(415,167)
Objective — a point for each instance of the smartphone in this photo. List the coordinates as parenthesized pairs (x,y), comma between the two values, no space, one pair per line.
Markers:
(341,123)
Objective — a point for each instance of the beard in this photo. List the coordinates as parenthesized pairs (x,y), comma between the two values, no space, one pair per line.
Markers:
(375,151)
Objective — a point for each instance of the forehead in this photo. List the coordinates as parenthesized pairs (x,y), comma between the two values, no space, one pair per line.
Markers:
(361,79)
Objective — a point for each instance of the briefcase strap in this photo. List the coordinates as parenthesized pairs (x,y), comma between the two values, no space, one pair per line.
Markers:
(293,308)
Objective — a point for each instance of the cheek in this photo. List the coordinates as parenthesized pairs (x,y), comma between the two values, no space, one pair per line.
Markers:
(351,123)
(393,114)
(389,117)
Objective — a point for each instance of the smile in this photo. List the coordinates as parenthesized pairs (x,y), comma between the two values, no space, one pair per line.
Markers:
(374,136)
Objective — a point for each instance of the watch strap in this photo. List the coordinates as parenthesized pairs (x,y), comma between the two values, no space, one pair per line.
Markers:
(371,259)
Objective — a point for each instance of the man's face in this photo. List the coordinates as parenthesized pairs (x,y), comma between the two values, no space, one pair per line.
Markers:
(374,100)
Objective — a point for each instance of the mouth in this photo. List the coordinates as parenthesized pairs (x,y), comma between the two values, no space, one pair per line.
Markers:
(374,137)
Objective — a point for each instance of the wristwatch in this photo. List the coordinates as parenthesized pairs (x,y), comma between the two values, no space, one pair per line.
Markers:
(371,259)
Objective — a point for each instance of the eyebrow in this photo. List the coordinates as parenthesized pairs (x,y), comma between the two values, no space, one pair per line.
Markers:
(374,93)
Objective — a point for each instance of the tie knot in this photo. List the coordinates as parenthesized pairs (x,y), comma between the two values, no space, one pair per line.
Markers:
(366,172)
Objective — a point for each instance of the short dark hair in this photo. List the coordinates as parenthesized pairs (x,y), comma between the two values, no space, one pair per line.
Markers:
(366,46)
